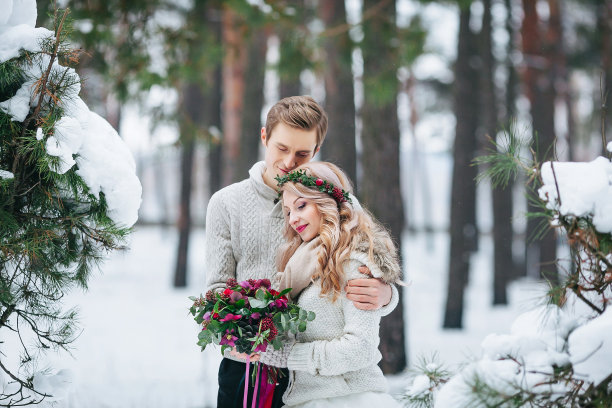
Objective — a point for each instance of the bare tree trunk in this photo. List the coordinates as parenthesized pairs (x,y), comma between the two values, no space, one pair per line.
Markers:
(604,26)
(339,146)
(292,59)
(539,79)
(381,144)
(253,102)
(502,195)
(462,227)
(184,218)
(234,63)
(191,102)
(194,106)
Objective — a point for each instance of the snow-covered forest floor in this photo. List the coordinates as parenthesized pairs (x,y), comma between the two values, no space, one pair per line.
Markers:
(137,346)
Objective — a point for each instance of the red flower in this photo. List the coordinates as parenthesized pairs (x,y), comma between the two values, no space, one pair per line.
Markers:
(215,315)
(274,292)
(318,182)
(268,323)
(227,292)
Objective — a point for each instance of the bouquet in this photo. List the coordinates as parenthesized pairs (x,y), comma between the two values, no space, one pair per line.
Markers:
(247,315)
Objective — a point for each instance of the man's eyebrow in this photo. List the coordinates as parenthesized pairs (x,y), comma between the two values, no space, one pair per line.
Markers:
(299,151)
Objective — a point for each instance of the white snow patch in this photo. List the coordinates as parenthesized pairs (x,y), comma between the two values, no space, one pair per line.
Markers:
(420,385)
(590,348)
(585,190)
(4,174)
(21,37)
(16,12)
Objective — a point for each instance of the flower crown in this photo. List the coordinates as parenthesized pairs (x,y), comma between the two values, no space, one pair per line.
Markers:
(300,176)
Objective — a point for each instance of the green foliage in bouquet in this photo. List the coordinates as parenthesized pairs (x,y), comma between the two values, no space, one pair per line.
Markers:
(248,315)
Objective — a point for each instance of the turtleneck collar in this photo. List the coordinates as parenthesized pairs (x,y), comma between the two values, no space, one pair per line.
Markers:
(266,192)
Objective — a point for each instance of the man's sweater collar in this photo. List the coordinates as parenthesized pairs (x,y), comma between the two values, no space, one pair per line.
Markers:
(256,177)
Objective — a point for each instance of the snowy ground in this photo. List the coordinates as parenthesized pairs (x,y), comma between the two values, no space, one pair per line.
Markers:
(137,348)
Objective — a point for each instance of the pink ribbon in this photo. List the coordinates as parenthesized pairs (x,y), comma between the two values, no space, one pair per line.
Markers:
(246,383)
(254,403)
(267,390)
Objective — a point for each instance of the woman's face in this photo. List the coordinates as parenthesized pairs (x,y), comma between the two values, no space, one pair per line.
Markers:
(303,215)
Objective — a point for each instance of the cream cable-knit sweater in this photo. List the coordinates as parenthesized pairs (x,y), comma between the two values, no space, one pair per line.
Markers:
(338,353)
(244,229)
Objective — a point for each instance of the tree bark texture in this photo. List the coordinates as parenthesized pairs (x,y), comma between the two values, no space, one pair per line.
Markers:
(604,26)
(339,147)
(292,47)
(502,195)
(380,188)
(539,79)
(462,226)
(199,101)
(253,102)
(234,64)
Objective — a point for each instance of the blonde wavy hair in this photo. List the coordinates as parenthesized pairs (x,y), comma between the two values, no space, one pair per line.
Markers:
(342,228)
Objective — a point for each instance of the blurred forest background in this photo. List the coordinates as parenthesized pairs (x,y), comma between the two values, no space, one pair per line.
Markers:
(400,80)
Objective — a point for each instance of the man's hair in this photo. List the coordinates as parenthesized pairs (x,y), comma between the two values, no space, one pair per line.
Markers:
(299,112)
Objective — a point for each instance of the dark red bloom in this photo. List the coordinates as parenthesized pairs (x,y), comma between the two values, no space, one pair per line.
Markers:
(274,292)
(268,323)
(318,182)
(215,315)
(231,282)
(266,283)
(254,284)
(210,296)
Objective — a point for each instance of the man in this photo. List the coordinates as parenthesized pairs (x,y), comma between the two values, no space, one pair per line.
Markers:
(244,226)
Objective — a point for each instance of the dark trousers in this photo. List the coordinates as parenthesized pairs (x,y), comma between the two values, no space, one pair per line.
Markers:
(231,385)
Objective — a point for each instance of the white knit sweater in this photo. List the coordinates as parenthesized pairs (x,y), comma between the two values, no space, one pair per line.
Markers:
(244,229)
(338,353)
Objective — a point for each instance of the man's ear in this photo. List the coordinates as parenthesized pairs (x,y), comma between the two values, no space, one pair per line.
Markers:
(316,151)
(263,137)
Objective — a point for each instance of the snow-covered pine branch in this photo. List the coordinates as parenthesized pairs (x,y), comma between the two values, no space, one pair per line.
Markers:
(68,195)
(560,354)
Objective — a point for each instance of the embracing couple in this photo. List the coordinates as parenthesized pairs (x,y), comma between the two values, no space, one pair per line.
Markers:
(296,223)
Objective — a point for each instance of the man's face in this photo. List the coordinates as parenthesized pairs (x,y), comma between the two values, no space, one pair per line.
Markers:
(287,149)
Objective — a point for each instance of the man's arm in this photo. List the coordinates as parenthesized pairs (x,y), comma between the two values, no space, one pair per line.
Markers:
(220,262)
(372,294)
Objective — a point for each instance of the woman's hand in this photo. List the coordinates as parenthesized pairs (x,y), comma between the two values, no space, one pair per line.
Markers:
(368,294)
(243,356)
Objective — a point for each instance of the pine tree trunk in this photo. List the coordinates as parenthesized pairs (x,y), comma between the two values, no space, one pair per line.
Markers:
(184,218)
(462,227)
(604,26)
(339,147)
(193,110)
(380,188)
(292,60)
(502,195)
(257,46)
(539,81)
(211,109)
(234,64)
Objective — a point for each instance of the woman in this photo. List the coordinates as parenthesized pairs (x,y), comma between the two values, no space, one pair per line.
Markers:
(333,362)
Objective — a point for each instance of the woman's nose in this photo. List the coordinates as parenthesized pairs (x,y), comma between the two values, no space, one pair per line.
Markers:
(293,219)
